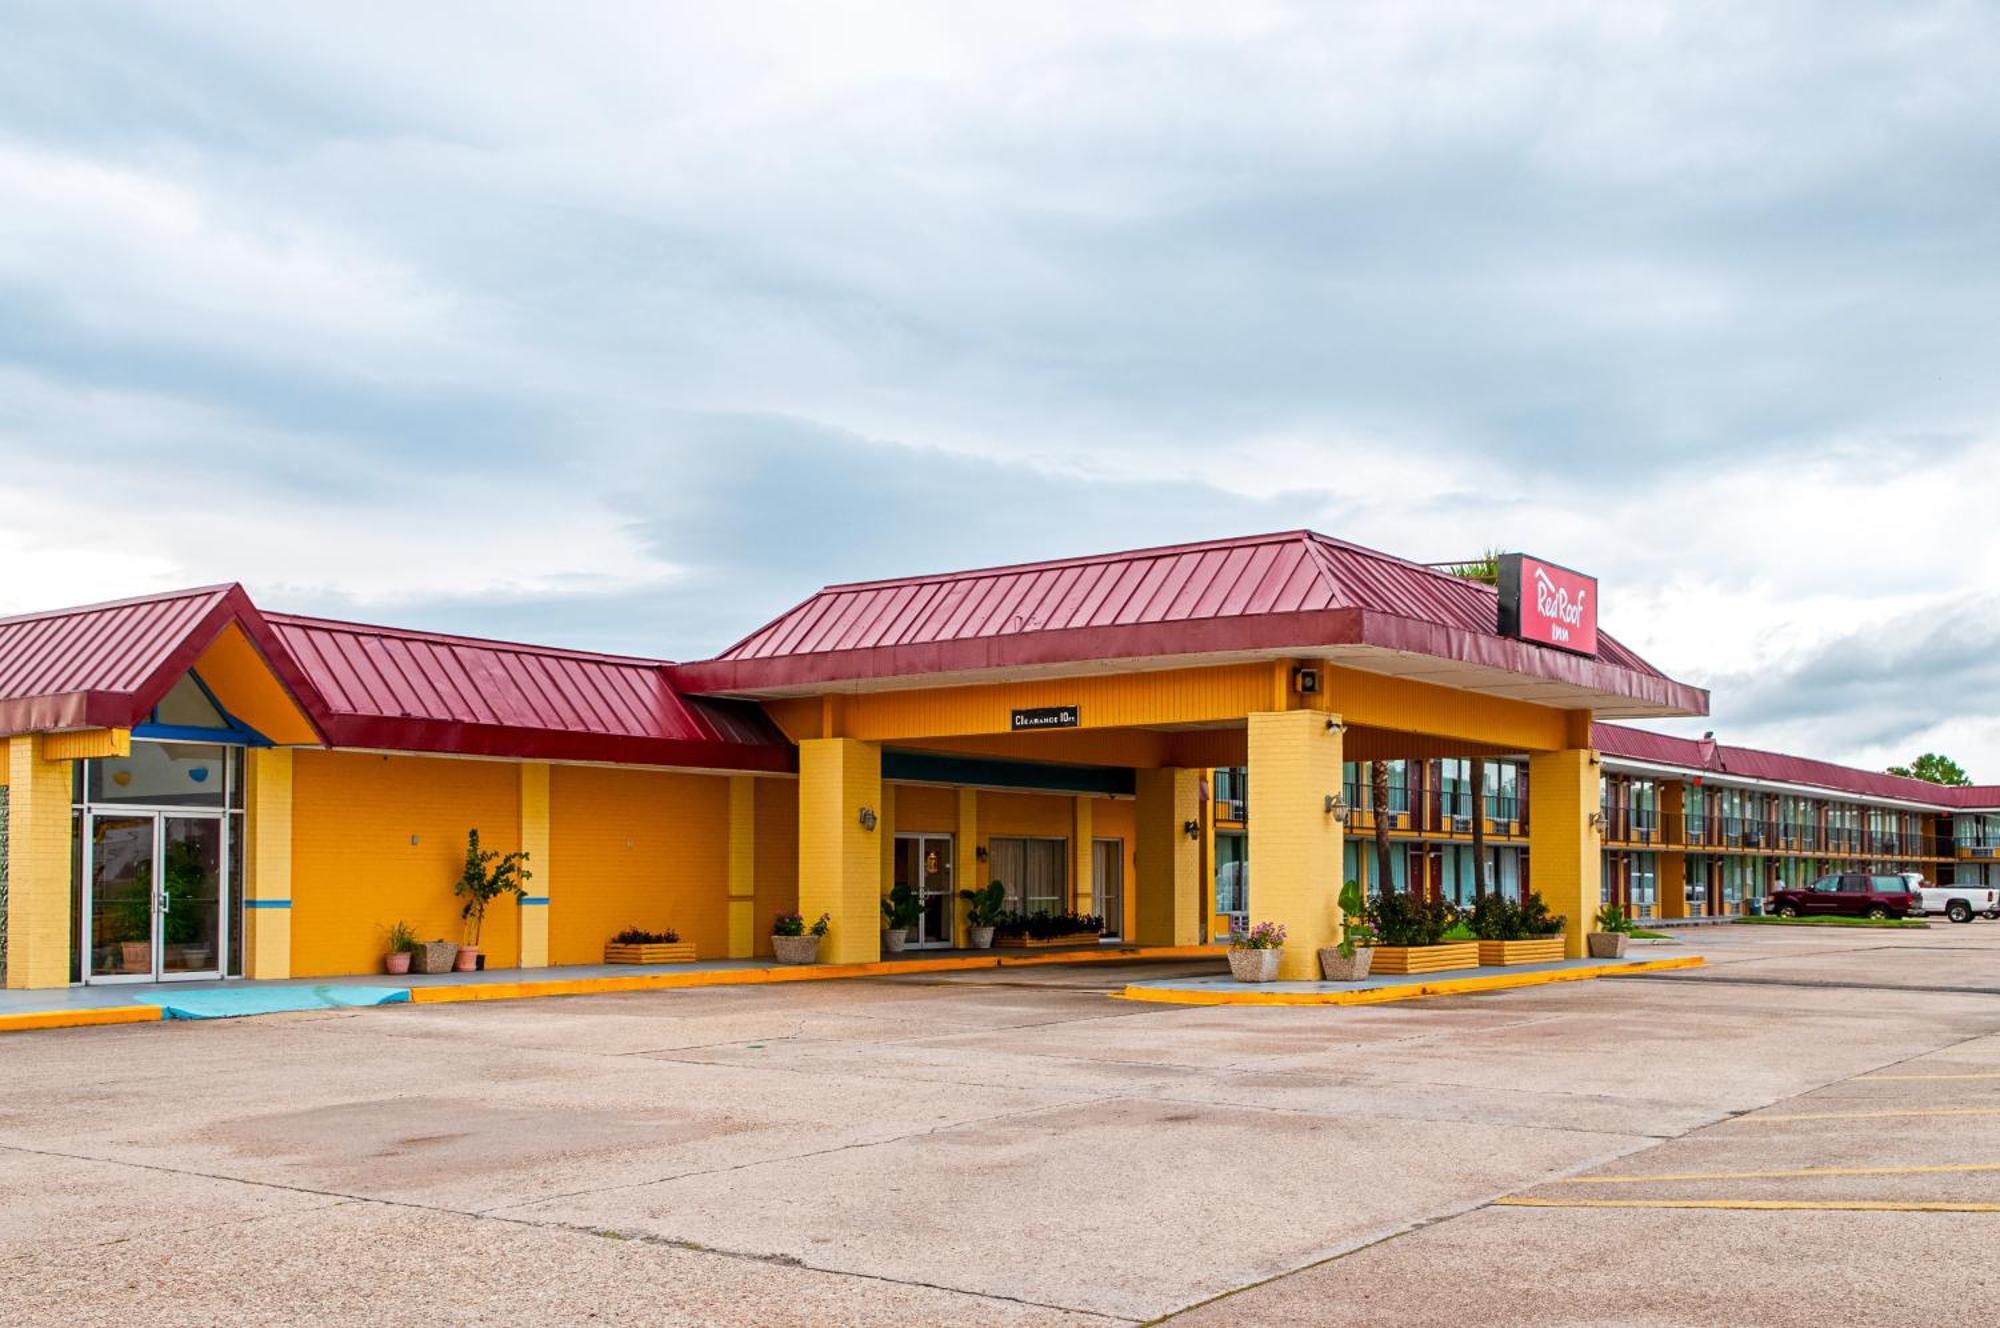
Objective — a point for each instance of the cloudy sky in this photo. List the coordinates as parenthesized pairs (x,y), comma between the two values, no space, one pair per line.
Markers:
(624,326)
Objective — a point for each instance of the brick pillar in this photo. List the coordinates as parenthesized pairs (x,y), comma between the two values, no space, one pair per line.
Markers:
(1169,859)
(1295,843)
(1082,888)
(1673,850)
(267,903)
(38,865)
(742,866)
(968,872)
(1566,856)
(840,859)
(538,894)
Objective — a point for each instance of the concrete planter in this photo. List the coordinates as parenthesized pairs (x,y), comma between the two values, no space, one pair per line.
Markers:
(1540,950)
(796,949)
(1405,959)
(434,957)
(1337,967)
(1608,944)
(894,939)
(1253,965)
(652,952)
(980,938)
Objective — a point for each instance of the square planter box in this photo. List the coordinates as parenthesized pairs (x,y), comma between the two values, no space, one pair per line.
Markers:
(433,957)
(658,952)
(1541,950)
(1426,958)
(1028,943)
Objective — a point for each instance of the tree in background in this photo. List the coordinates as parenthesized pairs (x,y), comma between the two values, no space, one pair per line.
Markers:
(1934,768)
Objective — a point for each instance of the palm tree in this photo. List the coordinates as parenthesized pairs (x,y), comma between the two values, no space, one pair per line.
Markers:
(1484,569)
(1378,797)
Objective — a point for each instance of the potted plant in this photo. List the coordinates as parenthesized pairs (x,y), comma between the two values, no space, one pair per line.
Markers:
(439,956)
(900,912)
(402,945)
(1349,961)
(1613,934)
(1410,935)
(795,943)
(635,945)
(1253,954)
(1040,931)
(983,909)
(1516,933)
(488,875)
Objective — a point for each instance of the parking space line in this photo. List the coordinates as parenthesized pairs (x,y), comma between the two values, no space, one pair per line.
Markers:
(1873,1115)
(1779,1175)
(1915,1078)
(1763,1205)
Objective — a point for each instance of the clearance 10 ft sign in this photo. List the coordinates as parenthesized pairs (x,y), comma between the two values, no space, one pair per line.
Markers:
(1547,604)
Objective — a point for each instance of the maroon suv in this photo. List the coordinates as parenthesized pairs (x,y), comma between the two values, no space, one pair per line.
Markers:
(1847,895)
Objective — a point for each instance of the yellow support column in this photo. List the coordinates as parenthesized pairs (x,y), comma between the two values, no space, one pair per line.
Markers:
(539,896)
(1295,844)
(968,872)
(1169,858)
(885,827)
(267,902)
(1565,851)
(742,866)
(38,865)
(840,859)
(1083,886)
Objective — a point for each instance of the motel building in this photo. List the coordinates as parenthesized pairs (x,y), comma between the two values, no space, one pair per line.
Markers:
(198,788)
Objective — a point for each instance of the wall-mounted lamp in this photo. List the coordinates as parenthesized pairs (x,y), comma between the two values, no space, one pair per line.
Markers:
(1336,807)
(1597,821)
(980,853)
(1596,760)
(867,818)
(1335,726)
(415,840)
(1193,829)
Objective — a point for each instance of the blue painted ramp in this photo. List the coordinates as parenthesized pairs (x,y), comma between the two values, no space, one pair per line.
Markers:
(233,1002)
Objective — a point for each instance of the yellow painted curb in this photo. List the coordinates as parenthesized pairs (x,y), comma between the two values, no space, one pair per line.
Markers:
(736,977)
(1407,992)
(83,1018)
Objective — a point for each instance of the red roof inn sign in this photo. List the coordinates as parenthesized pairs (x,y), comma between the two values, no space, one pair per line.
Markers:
(1547,604)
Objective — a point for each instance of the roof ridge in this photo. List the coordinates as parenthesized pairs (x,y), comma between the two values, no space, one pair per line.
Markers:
(161,597)
(1912,784)
(454,638)
(1078,560)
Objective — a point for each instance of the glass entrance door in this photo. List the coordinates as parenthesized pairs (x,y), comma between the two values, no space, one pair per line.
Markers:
(1107,861)
(924,863)
(156,897)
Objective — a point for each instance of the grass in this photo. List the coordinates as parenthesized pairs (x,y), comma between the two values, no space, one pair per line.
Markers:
(1833,922)
(1641,934)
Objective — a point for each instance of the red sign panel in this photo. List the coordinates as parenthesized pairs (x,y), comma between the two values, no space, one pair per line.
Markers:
(1547,604)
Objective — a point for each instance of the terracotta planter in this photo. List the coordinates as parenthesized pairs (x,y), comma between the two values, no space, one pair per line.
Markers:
(796,949)
(399,962)
(894,939)
(651,952)
(1540,950)
(135,956)
(468,959)
(434,957)
(1253,965)
(1608,944)
(1337,967)
(981,938)
(1402,959)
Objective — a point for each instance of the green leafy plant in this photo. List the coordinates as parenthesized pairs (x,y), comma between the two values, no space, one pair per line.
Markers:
(1935,768)
(1612,918)
(403,940)
(1263,936)
(821,925)
(1495,918)
(1048,926)
(1354,929)
(488,874)
(984,906)
(788,924)
(639,936)
(901,909)
(1400,918)
(1536,920)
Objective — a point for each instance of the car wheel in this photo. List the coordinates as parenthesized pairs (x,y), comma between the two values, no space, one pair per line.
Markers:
(1958,911)
(1878,913)
(1787,911)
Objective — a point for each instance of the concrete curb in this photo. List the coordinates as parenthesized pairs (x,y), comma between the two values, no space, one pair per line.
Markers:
(1407,992)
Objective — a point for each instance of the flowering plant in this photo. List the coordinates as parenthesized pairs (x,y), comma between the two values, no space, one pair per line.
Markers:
(794,924)
(1263,936)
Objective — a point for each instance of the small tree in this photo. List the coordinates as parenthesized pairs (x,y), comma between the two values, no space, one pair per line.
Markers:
(1378,793)
(1934,768)
(486,877)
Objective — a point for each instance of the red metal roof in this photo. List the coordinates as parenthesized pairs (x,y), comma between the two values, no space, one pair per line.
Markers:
(1293,590)
(405,690)
(107,665)
(1618,740)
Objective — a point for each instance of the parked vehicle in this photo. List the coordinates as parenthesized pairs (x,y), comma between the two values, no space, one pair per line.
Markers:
(1848,895)
(1957,902)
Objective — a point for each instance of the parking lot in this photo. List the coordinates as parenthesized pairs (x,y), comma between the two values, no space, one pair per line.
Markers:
(1802,1132)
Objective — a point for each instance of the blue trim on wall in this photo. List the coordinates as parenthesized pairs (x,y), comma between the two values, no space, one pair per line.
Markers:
(534,899)
(237,734)
(993,772)
(267,903)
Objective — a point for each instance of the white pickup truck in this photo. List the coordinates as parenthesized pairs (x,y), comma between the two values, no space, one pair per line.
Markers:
(1957,902)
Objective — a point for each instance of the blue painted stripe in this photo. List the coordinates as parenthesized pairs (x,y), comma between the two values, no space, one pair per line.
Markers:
(267,903)
(534,899)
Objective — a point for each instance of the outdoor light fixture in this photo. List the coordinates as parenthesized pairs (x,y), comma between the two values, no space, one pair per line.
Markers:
(1335,726)
(1193,829)
(1597,820)
(980,853)
(867,818)
(1336,807)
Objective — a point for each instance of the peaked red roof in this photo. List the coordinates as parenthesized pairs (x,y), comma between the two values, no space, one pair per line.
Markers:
(1618,740)
(403,690)
(107,665)
(1292,592)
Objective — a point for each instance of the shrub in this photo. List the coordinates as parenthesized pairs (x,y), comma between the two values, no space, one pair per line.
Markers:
(640,936)
(487,875)
(1495,917)
(794,924)
(901,909)
(1612,918)
(1400,918)
(1536,920)
(984,906)
(1263,936)
(1354,929)
(1047,926)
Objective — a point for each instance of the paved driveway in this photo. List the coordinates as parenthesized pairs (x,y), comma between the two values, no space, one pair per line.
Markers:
(1002,1148)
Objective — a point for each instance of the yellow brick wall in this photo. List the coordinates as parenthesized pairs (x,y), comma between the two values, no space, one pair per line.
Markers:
(840,861)
(1112,818)
(1168,880)
(636,848)
(267,940)
(777,857)
(38,865)
(1566,858)
(355,870)
(1295,843)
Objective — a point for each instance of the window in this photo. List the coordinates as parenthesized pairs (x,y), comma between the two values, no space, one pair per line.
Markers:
(1232,874)
(1034,872)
